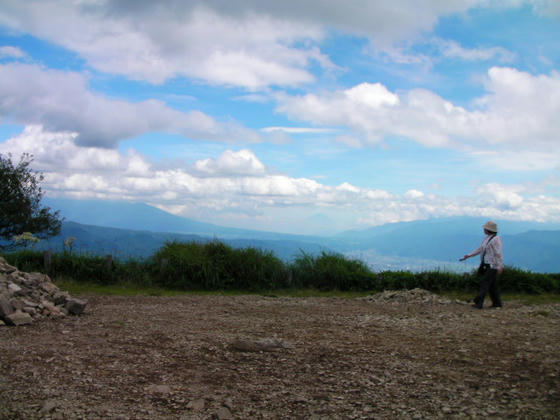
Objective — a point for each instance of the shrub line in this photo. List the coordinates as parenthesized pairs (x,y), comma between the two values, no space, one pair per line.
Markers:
(216,266)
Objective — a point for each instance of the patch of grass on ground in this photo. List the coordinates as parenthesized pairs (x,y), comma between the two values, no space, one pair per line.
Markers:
(128,289)
(303,293)
(525,298)
(120,289)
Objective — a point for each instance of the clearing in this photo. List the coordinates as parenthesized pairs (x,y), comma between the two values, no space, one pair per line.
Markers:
(393,355)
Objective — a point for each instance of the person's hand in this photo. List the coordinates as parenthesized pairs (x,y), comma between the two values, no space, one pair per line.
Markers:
(500,271)
(464,258)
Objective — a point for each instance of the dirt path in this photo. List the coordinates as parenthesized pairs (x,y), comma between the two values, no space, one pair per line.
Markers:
(250,357)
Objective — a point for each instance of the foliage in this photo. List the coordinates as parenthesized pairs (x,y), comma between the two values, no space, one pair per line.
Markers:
(216,266)
(27,238)
(83,268)
(20,202)
(516,280)
(332,272)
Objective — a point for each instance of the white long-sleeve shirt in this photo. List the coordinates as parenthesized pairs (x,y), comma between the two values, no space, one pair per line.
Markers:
(491,252)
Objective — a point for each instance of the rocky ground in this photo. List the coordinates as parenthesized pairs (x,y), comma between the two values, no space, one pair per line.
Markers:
(394,355)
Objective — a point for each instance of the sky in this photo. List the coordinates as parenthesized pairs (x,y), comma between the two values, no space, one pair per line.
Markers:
(308,117)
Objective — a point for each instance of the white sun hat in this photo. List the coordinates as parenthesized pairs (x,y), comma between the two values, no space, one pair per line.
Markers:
(491,226)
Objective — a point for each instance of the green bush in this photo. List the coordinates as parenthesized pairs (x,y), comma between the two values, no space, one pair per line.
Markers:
(517,280)
(395,280)
(438,281)
(83,268)
(332,272)
(217,266)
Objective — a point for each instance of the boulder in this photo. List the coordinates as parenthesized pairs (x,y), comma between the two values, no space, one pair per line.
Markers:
(19,318)
(223,413)
(6,307)
(75,306)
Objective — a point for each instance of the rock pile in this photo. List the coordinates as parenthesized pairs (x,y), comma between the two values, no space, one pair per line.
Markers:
(409,296)
(25,297)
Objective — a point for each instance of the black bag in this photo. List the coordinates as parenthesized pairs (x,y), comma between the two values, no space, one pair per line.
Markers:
(483,268)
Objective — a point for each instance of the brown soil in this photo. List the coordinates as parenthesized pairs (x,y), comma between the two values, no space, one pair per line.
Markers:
(253,357)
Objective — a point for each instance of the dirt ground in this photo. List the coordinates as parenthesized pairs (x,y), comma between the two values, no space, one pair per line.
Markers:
(254,357)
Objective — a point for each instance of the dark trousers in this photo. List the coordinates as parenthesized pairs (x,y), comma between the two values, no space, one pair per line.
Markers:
(489,284)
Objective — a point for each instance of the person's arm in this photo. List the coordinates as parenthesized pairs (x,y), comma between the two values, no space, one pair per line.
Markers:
(472,254)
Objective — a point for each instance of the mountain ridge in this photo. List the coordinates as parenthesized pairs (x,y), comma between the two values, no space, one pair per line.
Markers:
(527,245)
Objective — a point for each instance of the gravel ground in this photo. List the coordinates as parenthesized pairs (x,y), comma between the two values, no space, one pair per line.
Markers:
(408,355)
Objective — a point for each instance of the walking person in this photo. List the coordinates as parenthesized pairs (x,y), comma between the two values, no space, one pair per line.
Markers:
(491,266)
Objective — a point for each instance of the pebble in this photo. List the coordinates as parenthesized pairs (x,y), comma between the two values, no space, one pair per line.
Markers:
(223,413)
(196,405)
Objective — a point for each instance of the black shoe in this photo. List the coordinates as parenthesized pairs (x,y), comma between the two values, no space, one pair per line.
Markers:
(477,306)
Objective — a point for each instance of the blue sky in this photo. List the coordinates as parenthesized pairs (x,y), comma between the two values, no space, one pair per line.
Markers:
(300,117)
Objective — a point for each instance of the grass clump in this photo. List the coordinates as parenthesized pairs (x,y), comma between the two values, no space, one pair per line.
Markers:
(217,267)
(332,272)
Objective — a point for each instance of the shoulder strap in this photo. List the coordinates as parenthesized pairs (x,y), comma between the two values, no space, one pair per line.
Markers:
(486,247)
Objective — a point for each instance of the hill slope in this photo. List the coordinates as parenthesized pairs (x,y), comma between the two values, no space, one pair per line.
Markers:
(126,243)
(133,229)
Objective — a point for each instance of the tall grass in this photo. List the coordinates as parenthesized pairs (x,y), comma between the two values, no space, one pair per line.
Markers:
(332,272)
(217,266)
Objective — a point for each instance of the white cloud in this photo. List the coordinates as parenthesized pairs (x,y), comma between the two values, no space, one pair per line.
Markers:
(520,108)
(243,162)
(374,112)
(298,130)
(452,49)
(519,112)
(518,160)
(61,101)
(159,41)
(371,95)
(248,43)
(502,197)
(237,188)
(11,52)
(413,194)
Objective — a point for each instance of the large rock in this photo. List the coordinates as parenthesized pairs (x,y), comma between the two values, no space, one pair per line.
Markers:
(19,318)
(75,306)
(6,307)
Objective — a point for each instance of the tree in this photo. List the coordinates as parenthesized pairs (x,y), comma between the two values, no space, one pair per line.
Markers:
(20,202)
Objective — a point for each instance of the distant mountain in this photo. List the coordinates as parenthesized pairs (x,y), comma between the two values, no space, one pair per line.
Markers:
(139,216)
(528,245)
(134,229)
(126,243)
(537,251)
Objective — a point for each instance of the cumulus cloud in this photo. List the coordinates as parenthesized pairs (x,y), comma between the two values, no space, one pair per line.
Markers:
(413,194)
(248,43)
(243,162)
(11,52)
(239,185)
(62,101)
(518,109)
(374,112)
(195,41)
(503,197)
